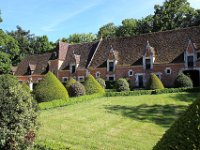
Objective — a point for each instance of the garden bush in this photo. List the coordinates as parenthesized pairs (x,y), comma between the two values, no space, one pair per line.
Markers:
(102,82)
(76,89)
(26,87)
(70,82)
(50,88)
(183,81)
(184,134)
(154,82)
(122,85)
(18,117)
(92,86)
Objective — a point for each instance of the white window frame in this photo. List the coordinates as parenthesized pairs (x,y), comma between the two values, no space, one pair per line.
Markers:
(166,69)
(63,79)
(130,75)
(108,61)
(151,62)
(81,78)
(137,79)
(111,76)
(98,74)
(73,64)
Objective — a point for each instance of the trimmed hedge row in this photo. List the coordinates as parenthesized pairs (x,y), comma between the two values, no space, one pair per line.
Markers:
(64,102)
(150,92)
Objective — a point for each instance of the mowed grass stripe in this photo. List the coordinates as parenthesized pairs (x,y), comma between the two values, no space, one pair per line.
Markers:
(133,122)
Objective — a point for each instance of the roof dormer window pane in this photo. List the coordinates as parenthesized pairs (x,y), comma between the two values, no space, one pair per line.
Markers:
(148,64)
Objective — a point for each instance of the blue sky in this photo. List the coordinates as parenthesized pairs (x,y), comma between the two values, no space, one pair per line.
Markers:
(60,18)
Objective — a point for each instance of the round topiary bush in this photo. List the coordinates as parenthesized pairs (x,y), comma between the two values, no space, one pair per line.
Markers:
(92,86)
(70,82)
(76,89)
(102,82)
(182,81)
(50,88)
(122,85)
(154,82)
(18,117)
(184,134)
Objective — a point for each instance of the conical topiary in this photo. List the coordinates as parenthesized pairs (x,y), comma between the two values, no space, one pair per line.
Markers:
(122,85)
(184,134)
(154,82)
(50,88)
(76,89)
(183,81)
(92,86)
(70,82)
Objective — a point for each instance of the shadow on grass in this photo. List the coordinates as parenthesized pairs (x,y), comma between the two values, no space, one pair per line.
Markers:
(163,115)
(186,97)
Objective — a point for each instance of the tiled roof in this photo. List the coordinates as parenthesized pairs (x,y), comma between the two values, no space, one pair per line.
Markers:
(37,62)
(169,47)
(85,52)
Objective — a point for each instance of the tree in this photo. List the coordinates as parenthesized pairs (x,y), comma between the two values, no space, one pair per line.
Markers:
(108,30)
(18,119)
(128,28)
(10,46)
(145,25)
(50,88)
(81,38)
(5,63)
(92,86)
(184,134)
(41,44)
(173,14)
(154,82)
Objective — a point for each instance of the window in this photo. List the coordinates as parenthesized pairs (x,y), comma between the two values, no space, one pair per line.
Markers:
(148,64)
(130,73)
(111,77)
(98,74)
(190,61)
(81,78)
(73,68)
(168,71)
(64,79)
(110,66)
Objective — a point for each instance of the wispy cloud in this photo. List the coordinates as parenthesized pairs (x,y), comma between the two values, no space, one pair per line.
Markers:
(68,15)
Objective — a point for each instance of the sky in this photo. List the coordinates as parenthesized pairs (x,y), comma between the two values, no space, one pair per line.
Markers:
(60,18)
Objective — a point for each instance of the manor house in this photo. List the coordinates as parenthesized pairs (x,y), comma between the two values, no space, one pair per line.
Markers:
(163,53)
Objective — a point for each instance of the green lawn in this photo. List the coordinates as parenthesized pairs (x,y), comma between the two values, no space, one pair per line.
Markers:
(116,123)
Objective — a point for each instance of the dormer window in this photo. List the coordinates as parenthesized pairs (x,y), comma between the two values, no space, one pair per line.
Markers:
(190,61)
(190,55)
(149,57)
(72,68)
(110,65)
(148,64)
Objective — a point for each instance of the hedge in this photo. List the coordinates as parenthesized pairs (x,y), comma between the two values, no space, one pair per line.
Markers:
(63,102)
(122,85)
(154,82)
(92,86)
(183,81)
(150,92)
(50,88)
(184,134)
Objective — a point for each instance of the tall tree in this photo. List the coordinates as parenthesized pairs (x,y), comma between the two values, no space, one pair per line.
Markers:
(41,44)
(80,38)
(108,30)
(5,63)
(145,25)
(128,28)
(173,14)
(10,46)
